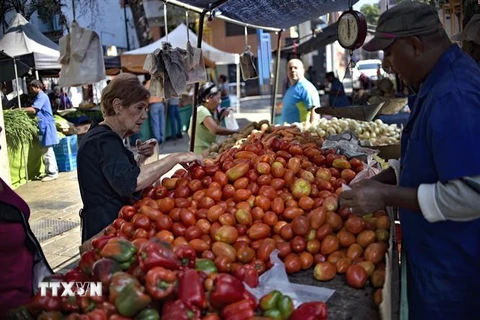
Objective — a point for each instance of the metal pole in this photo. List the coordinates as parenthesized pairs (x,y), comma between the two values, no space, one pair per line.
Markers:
(275,81)
(195,91)
(73,9)
(238,87)
(125,3)
(25,162)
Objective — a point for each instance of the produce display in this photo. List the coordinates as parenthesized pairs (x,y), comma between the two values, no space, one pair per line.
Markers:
(276,190)
(152,280)
(374,133)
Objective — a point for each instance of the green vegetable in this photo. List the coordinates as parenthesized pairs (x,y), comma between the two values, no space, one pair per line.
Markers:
(19,128)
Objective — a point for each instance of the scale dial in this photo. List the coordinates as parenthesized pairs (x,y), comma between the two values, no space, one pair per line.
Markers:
(351,29)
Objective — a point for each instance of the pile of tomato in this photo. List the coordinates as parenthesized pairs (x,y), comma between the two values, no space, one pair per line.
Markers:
(277,191)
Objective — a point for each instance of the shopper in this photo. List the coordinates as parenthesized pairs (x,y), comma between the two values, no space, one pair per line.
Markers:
(223,87)
(109,175)
(336,93)
(156,108)
(174,117)
(19,252)
(208,120)
(437,185)
(47,128)
(301,96)
(470,38)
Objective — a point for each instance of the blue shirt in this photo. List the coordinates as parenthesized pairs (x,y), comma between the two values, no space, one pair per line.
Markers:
(440,143)
(46,122)
(298,100)
(338,99)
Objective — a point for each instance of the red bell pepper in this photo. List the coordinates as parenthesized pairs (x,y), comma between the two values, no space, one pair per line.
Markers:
(100,242)
(250,298)
(103,271)
(310,311)
(190,289)
(186,255)
(86,262)
(107,307)
(156,253)
(50,315)
(160,282)
(248,274)
(97,314)
(70,304)
(76,275)
(44,303)
(226,289)
(240,310)
(127,212)
(177,310)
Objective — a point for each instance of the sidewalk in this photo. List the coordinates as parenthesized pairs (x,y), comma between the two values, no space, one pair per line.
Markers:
(55,205)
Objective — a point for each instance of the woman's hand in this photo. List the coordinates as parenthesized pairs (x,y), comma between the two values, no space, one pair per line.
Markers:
(187,158)
(147,148)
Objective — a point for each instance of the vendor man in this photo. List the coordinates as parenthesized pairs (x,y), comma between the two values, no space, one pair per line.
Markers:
(47,129)
(301,97)
(436,184)
(470,38)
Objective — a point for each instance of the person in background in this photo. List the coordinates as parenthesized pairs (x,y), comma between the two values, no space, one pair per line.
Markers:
(109,176)
(60,101)
(47,128)
(336,94)
(312,76)
(436,183)
(470,38)
(174,117)
(208,120)
(19,252)
(301,96)
(223,87)
(156,108)
(3,94)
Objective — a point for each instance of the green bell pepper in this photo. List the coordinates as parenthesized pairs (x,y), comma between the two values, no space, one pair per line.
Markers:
(274,314)
(206,265)
(120,250)
(286,307)
(270,300)
(148,314)
(131,300)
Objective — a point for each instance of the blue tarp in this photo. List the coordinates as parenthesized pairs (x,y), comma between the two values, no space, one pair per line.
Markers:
(274,13)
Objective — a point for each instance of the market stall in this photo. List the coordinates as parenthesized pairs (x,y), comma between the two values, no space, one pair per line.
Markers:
(275,189)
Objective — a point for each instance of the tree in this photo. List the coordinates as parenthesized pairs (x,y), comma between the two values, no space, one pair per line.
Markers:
(48,10)
(371,13)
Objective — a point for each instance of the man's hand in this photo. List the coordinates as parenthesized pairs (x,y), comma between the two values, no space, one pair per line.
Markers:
(366,196)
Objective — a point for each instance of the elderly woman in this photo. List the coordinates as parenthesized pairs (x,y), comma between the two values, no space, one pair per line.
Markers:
(208,120)
(108,173)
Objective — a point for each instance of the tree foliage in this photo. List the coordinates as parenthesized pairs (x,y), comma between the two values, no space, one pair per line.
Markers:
(371,13)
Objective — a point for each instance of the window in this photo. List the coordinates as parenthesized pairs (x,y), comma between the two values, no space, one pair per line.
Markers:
(237,30)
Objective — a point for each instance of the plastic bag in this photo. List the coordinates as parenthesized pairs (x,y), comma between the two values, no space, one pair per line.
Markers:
(347,144)
(371,169)
(247,65)
(230,122)
(277,279)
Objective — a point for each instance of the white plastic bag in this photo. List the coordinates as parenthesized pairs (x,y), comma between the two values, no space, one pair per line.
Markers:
(230,122)
(370,169)
(276,279)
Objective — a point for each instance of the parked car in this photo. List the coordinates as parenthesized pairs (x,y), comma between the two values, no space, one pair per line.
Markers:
(369,68)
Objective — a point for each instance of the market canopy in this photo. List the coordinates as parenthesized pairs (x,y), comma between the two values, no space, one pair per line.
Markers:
(7,67)
(278,14)
(133,60)
(321,39)
(22,39)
